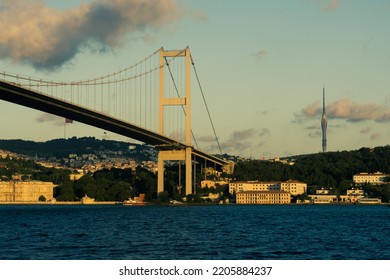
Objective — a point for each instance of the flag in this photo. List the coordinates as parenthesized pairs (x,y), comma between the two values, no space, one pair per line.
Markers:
(68,120)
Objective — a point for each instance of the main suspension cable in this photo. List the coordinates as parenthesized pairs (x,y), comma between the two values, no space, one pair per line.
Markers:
(205,103)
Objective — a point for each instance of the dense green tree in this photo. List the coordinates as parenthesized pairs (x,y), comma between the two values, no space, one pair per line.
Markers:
(330,170)
(65,191)
(120,191)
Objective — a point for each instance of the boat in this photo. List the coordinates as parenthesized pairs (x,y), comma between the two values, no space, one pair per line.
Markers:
(137,201)
(367,200)
(320,201)
(131,202)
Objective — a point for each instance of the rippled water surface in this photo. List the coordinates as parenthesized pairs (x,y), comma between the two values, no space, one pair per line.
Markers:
(196,232)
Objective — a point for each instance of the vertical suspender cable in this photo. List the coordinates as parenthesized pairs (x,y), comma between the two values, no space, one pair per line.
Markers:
(205,103)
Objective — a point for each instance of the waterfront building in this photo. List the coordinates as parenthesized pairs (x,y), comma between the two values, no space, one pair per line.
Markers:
(323,198)
(291,186)
(323,191)
(212,183)
(243,186)
(263,197)
(25,191)
(355,192)
(377,178)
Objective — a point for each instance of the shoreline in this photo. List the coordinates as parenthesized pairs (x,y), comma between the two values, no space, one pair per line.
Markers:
(59,203)
(117,203)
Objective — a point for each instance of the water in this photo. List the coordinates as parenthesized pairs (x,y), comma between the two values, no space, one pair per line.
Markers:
(302,232)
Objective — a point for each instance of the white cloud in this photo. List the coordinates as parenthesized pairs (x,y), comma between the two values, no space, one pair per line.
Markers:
(261,54)
(346,109)
(46,38)
(239,140)
(329,5)
(49,118)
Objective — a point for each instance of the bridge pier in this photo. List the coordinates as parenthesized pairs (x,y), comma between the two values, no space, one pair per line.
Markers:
(183,155)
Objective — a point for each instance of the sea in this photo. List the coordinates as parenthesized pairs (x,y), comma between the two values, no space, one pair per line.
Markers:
(214,232)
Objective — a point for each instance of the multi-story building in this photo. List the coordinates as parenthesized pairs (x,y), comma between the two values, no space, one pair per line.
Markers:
(323,191)
(25,191)
(293,187)
(243,186)
(354,194)
(369,178)
(290,186)
(212,183)
(263,197)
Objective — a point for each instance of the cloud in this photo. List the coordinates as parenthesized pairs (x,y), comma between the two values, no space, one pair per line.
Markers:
(315,134)
(366,130)
(200,16)
(178,135)
(261,54)
(238,141)
(206,139)
(48,118)
(387,100)
(375,136)
(46,38)
(264,132)
(329,5)
(345,109)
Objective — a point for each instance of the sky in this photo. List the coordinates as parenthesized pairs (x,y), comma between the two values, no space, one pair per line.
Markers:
(262,65)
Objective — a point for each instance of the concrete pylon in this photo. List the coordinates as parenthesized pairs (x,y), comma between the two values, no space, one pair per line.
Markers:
(173,153)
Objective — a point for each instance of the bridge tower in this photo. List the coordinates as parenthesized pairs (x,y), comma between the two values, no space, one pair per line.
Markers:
(167,153)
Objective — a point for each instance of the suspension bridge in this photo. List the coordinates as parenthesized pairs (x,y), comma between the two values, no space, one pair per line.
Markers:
(149,101)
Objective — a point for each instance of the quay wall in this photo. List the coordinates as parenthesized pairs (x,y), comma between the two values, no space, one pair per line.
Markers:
(58,203)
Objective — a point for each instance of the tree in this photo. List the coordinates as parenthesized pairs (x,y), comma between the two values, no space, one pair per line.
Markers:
(65,191)
(163,197)
(119,191)
(84,186)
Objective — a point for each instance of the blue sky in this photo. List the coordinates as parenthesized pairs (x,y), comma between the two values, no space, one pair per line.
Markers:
(262,65)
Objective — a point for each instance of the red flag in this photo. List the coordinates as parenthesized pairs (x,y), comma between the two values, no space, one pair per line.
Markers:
(68,120)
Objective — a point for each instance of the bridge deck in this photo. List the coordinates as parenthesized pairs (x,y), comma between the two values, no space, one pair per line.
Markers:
(19,95)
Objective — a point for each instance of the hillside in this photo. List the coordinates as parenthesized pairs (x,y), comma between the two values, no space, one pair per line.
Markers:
(61,148)
(323,170)
(332,170)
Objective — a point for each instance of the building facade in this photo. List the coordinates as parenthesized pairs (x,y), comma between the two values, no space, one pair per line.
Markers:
(243,186)
(377,178)
(26,191)
(293,187)
(290,186)
(212,183)
(263,197)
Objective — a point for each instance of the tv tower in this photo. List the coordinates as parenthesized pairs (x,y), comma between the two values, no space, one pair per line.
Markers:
(324,122)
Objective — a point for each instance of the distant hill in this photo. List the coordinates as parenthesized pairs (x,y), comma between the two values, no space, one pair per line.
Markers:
(61,148)
(322,170)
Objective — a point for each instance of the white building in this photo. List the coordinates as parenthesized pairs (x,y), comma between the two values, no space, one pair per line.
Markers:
(212,183)
(290,186)
(377,178)
(244,186)
(322,191)
(263,197)
(293,187)
(354,194)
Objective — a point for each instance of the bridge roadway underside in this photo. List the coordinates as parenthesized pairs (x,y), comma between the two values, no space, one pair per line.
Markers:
(25,97)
